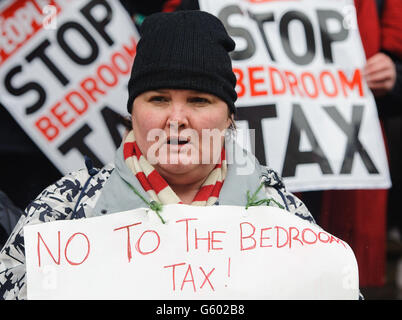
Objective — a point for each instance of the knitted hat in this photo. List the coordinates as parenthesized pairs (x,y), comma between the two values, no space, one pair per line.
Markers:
(183,50)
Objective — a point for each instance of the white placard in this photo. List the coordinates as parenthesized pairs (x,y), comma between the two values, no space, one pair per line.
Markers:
(218,252)
(301,88)
(64,68)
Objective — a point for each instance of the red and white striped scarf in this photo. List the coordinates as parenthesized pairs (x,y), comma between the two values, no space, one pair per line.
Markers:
(156,186)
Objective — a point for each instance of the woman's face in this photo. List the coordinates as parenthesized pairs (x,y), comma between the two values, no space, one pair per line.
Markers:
(180,131)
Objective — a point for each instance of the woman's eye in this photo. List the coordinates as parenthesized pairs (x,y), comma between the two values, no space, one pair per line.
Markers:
(158,99)
(199,100)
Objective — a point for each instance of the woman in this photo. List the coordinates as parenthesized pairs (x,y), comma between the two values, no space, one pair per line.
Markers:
(181,101)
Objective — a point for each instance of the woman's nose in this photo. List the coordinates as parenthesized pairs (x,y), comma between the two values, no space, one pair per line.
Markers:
(178,117)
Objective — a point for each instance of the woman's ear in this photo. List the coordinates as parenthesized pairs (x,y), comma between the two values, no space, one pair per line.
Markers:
(231,122)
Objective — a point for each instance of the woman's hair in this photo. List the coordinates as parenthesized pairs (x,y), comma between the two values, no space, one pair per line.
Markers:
(126,121)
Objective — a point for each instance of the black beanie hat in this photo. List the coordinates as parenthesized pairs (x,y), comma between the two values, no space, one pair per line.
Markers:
(183,50)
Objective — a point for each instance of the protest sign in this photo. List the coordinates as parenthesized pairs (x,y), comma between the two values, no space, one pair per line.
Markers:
(217,252)
(64,68)
(300,87)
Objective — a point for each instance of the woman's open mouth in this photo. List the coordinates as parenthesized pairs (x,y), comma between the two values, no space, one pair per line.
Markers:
(178,141)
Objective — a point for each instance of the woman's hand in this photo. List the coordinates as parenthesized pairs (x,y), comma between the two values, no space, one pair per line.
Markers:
(380,74)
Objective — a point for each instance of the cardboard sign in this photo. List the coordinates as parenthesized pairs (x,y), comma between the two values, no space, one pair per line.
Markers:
(64,68)
(218,252)
(300,87)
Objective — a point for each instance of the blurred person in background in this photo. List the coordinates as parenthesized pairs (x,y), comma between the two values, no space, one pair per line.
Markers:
(360,216)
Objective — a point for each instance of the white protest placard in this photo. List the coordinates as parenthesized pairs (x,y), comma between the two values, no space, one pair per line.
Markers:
(217,252)
(64,68)
(300,87)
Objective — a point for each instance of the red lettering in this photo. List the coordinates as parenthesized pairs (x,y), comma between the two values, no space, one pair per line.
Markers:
(47,128)
(90,86)
(173,266)
(295,237)
(274,89)
(61,115)
(129,255)
(277,237)
(239,83)
(208,239)
(88,249)
(48,250)
(314,88)
(80,106)
(213,240)
(304,237)
(284,237)
(325,83)
(328,75)
(187,220)
(189,271)
(109,78)
(125,69)
(19,21)
(242,248)
(206,278)
(137,246)
(293,83)
(264,238)
(328,237)
(356,81)
(254,81)
(132,49)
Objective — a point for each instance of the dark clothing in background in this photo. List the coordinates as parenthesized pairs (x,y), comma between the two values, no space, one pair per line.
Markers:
(25,170)
(9,216)
(390,106)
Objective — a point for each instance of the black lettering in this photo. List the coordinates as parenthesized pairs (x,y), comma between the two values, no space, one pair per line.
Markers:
(261,18)
(309,55)
(29,86)
(112,120)
(40,52)
(99,25)
(254,115)
(94,50)
(77,141)
(294,156)
(353,144)
(250,49)
(327,38)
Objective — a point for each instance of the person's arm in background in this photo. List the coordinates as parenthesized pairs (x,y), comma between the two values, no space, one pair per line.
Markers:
(380,74)
(383,71)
